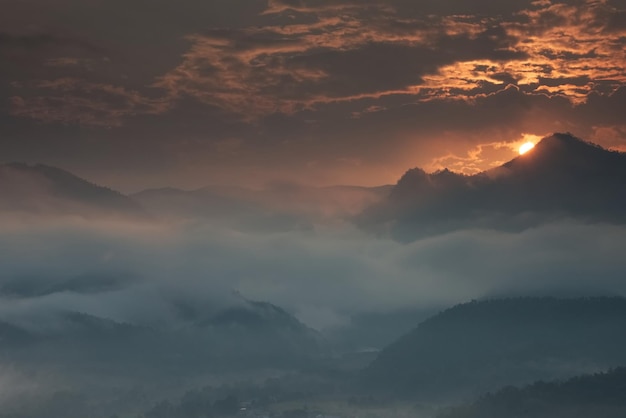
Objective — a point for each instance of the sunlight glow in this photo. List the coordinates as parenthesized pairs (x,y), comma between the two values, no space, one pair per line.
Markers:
(527,146)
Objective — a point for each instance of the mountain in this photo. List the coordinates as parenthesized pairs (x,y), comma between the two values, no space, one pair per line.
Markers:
(12,336)
(44,190)
(41,189)
(248,336)
(481,346)
(564,173)
(562,177)
(596,395)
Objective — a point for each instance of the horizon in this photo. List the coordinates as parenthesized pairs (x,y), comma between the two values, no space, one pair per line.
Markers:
(278,183)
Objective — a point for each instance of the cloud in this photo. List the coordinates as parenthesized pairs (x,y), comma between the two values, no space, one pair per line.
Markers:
(613,136)
(482,157)
(322,275)
(289,68)
(75,101)
(302,55)
(550,49)
(43,40)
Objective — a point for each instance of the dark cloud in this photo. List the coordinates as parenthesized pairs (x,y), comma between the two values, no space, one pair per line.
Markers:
(89,104)
(295,83)
(43,40)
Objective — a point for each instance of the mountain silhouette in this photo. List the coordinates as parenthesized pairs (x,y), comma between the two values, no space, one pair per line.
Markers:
(481,346)
(46,190)
(562,177)
(566,174)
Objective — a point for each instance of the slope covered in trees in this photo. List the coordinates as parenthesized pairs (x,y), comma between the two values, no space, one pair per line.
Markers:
(481,346)
(598,395)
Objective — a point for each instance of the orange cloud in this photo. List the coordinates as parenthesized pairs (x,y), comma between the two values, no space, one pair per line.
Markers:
(316,53)
(255,71)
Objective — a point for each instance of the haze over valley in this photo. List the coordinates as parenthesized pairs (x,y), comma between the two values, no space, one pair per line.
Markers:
(338,288)
(312,209)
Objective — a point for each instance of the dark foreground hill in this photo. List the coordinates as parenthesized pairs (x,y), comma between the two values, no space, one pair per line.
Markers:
(562,177)
(481,346)
(598,395)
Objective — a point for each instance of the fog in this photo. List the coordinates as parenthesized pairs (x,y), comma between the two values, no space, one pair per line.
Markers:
(135,272)
(106,314)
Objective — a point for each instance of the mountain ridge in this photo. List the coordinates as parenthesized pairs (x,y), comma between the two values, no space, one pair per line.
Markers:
(600,394)
(562,177)
(44,189)
(484,345)
(255,335)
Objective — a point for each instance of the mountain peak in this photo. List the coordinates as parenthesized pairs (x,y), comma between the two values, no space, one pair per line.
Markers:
(564,154)
(565,137)
(567,141)
(39,188)
(562,176)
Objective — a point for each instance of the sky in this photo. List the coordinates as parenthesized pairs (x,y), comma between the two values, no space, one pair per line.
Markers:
(137,94)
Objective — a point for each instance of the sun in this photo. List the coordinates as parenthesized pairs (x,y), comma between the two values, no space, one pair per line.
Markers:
(527,146)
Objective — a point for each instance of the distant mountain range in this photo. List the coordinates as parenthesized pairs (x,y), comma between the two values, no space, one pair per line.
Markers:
(44,190)
(49,191)
(562,177)
(482,346)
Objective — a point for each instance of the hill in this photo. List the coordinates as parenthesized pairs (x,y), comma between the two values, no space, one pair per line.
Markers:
(481,346)
(597,395)
(44,190)
(250,336)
